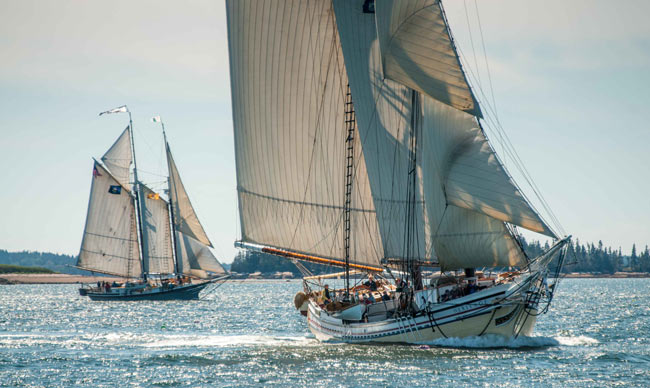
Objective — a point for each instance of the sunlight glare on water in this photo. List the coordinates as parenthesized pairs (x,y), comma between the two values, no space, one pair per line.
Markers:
(248,333)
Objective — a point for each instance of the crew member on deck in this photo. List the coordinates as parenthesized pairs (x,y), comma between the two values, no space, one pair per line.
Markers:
(371,283)
(327,298)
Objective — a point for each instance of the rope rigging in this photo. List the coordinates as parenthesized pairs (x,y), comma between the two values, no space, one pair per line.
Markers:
(493,122)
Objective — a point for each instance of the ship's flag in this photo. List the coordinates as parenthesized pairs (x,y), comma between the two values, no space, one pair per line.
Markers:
(156,119)
(116,110)
(116,189)
(95,172)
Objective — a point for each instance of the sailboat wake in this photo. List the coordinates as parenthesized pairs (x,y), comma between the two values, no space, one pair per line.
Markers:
(491,341)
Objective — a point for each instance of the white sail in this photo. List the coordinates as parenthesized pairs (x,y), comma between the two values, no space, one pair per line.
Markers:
(417,51)
(383,109)
(459,155)
(156,233)
(110,241)
(118,158)
(288,94)
(185,218)
(193,255)
(456,168)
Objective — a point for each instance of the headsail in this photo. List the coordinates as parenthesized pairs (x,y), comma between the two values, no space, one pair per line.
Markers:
(417,51)
(156,233)
(471,175)
(110,241)
(118,158)
(193,255)
(185,219)
(288,92)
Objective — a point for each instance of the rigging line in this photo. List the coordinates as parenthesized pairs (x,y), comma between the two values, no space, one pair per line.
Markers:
(487,67)
(509,150)
(471,40)
(524,171)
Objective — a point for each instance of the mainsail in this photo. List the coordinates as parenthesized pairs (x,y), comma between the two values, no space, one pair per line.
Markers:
(291,63)
(110,241)
(118,158)
(156,233)
(289,89)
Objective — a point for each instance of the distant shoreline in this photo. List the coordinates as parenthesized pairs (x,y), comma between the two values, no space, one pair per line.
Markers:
(20,278)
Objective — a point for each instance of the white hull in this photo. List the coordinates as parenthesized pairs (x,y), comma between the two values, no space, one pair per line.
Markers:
(501,310)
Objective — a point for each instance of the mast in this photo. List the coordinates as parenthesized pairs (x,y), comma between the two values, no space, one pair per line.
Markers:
(169,203)
(412,267)
(137,199)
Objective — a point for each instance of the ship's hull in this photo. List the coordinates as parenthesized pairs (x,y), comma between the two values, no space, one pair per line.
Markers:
(185,292)
(502,310)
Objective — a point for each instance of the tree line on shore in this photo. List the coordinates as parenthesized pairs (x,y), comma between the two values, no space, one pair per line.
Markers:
(586,258)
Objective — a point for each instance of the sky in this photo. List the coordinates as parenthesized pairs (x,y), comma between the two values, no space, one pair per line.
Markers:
(570,79)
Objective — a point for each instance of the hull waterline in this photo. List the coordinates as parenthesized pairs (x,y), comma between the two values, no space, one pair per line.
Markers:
(186,292)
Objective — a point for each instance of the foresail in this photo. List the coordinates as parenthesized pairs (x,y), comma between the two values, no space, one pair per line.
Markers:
(110,241)
(118,158)
(185,218)
(288,95)
(472,176)
(193,255)
(156,233)
(417,51)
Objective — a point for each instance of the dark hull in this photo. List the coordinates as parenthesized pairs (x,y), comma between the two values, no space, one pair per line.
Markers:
(187,292)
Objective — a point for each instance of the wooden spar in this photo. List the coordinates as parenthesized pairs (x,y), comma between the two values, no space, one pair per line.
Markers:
(319,260)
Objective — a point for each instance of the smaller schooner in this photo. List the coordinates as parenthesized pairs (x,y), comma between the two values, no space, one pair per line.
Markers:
(158,246)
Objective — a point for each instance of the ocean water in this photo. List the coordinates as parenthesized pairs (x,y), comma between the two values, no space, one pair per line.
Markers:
(249,334)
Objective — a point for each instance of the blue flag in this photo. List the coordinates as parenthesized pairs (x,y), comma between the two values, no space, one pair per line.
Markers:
(115,189)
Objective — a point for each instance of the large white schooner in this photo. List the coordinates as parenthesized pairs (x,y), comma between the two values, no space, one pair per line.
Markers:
(359,144)
(158,246)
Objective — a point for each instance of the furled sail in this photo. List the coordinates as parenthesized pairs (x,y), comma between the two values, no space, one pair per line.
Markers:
(118,158)
(156,233)
(185,219)
(417,51)
(110,241)
(192,255)
(289,87)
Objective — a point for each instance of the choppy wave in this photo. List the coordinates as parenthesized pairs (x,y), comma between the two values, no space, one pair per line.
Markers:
(497,341)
